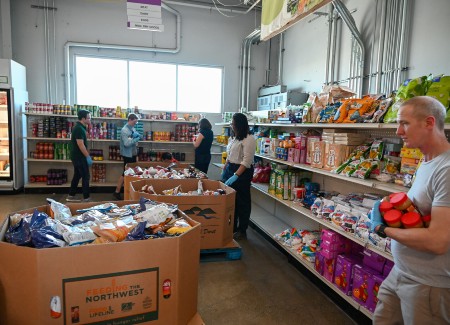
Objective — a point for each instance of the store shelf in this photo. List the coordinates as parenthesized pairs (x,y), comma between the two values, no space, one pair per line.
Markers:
(67,185)
(69,161)
(388,187)
(271,226)
(307,213)
(219,144)
(111,118)
(329,125)
(4,139)
(219,165)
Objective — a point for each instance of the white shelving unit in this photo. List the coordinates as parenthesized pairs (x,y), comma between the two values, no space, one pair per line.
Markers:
(35,166)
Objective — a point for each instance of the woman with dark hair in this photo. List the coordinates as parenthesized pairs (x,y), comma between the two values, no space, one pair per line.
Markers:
(202,144)
(238,171)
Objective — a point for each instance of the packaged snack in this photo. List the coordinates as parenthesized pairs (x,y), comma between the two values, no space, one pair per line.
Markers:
(376,150)
(440,89)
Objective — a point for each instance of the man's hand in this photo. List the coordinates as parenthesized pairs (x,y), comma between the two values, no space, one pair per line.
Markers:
(89,161)
(375,216)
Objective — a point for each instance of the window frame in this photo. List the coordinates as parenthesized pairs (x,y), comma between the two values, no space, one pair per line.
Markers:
(128,60)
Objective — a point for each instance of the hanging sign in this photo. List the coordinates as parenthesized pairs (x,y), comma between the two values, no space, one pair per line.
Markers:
(144,15)
(278,15)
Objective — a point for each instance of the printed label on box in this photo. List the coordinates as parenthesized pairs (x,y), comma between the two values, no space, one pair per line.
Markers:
(117,298)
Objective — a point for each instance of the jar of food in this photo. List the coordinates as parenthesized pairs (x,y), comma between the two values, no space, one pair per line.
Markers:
(426,221)
(412,220)
(400,201)
(393,218)
(385,206)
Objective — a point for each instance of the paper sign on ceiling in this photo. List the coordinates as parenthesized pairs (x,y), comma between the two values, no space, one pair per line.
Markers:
(144,15)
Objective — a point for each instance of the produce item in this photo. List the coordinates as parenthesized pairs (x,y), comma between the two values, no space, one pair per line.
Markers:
(412,220)
(393,218)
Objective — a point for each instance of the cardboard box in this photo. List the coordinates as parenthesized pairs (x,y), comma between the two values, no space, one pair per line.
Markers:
(215,213)
(144,164)
(151,281)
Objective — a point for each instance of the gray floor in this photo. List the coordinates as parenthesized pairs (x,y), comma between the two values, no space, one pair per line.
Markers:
(261,288)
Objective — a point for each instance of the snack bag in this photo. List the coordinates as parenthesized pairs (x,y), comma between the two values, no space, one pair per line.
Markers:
(409,89)
(440,89)
(357,108)
(376,150)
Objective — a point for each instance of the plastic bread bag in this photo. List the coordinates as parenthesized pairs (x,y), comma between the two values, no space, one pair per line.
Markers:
(146,204)
(114,231)
(60,211)
(78,235)
(20,233)
(172,191)
(376,150)
(155,215)
(46,237)
(103,208)
(138,232)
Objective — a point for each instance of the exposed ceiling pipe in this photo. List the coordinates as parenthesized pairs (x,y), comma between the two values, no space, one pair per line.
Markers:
(349,21)
(245,45)
(209,6)
(333,46)
(380,47)
(404,41)
(254,38)
(280,60)
(69,44)
(330,30)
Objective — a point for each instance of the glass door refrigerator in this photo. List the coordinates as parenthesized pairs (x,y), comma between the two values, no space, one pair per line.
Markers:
(13,96)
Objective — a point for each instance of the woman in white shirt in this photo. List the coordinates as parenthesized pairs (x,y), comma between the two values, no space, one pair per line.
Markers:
(238,171)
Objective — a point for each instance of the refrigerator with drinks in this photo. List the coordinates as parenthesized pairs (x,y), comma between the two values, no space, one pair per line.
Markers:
(13,96)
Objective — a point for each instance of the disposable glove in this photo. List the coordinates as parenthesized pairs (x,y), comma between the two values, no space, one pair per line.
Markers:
(89,160)
(375,216)
(222,176)
(136,135)
(135,140)
(231,180)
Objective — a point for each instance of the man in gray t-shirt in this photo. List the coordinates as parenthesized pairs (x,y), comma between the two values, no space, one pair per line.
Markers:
(417,291)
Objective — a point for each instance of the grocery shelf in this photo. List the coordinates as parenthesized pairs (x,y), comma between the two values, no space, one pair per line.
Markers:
(388,187)
(69,161)
(307,213)
(47,139)
(67,185)
(329,125)
(219,144)
(112,118)
(266,222)
(219,165)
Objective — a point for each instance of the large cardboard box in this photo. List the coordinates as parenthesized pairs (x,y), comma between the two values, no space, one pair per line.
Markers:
(146,281)
(215,213)
(144,164)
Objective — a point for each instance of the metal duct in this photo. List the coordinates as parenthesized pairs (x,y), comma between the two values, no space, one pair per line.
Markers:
(69,44)
(349,21)
(381,47)
(280,60)
(254,38)
(245,45)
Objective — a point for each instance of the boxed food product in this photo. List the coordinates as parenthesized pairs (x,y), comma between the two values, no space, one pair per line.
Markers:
(131,282)
(214,212)
(343,275)
(144,164)
(317,154)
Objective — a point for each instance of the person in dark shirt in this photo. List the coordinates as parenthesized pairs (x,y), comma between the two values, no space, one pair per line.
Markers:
(80,157)
(202,144)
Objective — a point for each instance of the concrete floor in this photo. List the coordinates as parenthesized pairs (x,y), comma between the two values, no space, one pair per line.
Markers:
(262,288)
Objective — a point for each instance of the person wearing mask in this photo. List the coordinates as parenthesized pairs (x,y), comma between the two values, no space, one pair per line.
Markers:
(417,291)
(80,157)
(129,137)
(238,172)
(202,144)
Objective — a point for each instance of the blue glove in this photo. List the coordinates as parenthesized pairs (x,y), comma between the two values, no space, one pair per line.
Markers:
(136,135)
(89,160)
(375,216)
(135,140)
(222,176)
(231,180)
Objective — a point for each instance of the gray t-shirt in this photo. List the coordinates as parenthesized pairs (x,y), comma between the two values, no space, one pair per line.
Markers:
(431,188)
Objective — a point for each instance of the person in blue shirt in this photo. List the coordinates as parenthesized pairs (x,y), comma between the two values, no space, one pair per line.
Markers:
(202,144)
(129,138)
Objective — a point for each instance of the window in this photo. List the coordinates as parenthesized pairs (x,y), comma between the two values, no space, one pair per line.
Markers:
(148,85)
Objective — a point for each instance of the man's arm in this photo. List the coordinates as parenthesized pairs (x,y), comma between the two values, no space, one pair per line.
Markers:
(435,239)
(198,140)
(82,147)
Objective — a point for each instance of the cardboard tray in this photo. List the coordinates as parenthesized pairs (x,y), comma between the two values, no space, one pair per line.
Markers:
(151,281)
(215,213)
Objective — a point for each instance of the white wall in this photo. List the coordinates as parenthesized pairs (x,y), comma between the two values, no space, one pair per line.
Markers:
(206,38)
(306,43)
